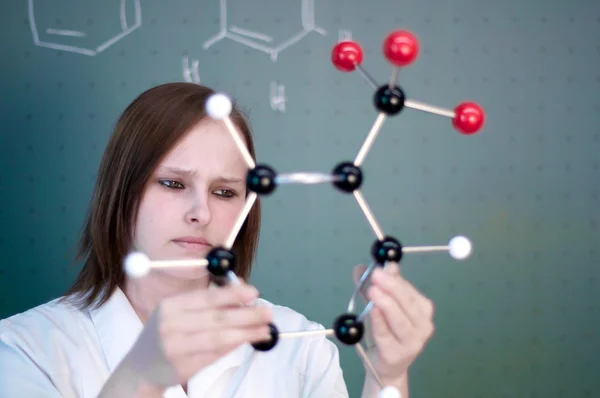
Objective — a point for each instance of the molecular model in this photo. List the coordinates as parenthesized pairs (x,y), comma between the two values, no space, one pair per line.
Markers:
(401,49)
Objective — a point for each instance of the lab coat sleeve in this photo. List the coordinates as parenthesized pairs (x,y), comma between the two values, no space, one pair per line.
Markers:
(324,375)
(20,376)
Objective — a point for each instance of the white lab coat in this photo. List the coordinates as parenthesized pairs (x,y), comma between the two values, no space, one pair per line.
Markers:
(55,350)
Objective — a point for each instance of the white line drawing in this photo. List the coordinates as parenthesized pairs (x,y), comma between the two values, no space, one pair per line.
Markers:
(65,32)
(278,98)
(66,39)
(251,34)
(190,72)
(344,35)
(257,40)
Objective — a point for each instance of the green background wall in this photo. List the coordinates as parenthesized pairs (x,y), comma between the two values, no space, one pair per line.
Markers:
(517,319)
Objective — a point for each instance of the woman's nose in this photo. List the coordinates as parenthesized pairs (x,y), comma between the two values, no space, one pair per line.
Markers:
(199,212)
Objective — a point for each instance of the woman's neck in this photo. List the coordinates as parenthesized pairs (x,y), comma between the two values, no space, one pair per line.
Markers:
(146,293)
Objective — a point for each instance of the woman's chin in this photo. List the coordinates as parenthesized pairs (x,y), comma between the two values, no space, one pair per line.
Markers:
(186,274)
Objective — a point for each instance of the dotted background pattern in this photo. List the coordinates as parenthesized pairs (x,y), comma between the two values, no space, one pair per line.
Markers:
(520,318)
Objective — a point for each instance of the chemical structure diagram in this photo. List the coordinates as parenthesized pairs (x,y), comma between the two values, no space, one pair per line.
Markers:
(277,96)
(400,48)
(82,36)
(190,70)
(257,40)
(260,42)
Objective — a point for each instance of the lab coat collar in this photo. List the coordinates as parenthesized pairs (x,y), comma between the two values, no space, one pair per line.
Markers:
(118,328)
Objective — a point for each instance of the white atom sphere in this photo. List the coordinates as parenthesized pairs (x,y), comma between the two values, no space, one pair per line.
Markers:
(218,106)
(460,247)
(137,265)
(389,392)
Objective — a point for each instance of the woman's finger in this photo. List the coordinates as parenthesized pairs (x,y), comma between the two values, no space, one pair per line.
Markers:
(389,348)
(216,318)
(202,299)
(425,303)
(213,341)
(397,322)
(416,306)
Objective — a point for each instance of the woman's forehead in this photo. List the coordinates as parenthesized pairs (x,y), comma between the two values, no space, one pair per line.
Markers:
(208,145)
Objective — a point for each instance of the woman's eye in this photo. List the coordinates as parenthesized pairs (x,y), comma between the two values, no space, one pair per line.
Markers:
(225,193)
(172,184)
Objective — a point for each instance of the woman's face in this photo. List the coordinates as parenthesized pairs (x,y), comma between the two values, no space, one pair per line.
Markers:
(191,202)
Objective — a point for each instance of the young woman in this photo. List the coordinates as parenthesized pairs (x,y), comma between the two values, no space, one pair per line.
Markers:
(171,185)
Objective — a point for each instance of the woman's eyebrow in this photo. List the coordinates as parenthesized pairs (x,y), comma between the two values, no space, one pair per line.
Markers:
(188,172)
(178,170)
(229,180)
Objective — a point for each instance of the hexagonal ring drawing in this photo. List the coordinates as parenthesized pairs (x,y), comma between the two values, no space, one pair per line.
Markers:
(72,25)
(257,40)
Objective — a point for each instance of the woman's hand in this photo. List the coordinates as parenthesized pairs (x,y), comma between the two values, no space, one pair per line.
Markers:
(201,326)
(401,323)
(190,331)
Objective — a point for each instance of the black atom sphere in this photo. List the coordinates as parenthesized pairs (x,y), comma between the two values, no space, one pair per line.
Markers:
(220,261)
(261,179)
(349,177)
(347,329)
(389,100)
(268,344)
(387,249)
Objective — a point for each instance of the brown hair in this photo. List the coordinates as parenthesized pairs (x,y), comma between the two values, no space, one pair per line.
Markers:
(146,131)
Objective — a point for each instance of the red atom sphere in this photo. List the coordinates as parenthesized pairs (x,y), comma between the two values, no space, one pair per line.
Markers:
(401,48)
(346,55)
(469,118)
